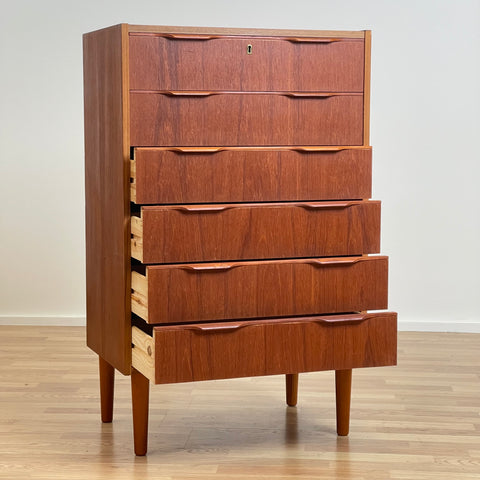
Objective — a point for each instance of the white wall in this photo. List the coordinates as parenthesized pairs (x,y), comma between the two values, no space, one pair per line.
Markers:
(425,132)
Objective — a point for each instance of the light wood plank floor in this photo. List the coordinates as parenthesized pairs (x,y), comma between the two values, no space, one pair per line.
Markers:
(419,420)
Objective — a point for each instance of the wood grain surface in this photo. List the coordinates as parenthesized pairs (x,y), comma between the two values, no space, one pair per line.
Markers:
(193,89)
(250,175)
(214,291)
(343,394)
(140,409)
(107,387)
(269,347)
(162,119)
(262,32)
(367,87)
(291,389)
(107,203)
(418,420)
(162,63)
(222,232)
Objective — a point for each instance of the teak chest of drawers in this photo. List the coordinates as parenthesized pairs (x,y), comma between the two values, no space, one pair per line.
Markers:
(229,229)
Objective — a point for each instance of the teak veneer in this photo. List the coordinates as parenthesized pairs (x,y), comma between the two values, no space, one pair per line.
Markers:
(202,233)
(229,226)
(184,293)
(209,351)
(220,63)
(244,118)
(249,174)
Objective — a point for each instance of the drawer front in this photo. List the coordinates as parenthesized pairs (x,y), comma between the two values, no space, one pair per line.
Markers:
(219,232)
(161,119)
(249,175)
(191,63)
(270,347)
(216,291)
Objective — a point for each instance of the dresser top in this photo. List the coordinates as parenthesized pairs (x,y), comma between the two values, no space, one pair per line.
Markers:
(163,29)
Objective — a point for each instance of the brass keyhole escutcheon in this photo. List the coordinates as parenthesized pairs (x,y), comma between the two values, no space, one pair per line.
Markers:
(249,49)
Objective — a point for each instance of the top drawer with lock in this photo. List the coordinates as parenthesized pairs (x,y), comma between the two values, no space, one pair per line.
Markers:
(245,63)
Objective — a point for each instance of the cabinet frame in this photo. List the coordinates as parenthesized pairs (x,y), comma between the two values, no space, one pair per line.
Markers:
(110,189)
(107,178)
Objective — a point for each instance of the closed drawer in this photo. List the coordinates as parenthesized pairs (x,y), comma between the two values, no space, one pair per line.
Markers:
(219,232)
(237,174)
(197,119)
(215,291)
(266,347)
(206,63)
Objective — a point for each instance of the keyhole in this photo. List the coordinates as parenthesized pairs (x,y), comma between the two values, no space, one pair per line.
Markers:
(249,49)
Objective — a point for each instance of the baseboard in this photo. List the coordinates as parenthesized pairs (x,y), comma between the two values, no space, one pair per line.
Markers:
(408,325)
(45,320)
(422,325)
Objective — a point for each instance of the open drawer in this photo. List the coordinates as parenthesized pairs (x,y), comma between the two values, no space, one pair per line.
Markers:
(216,232)
(186,353)
(196,292)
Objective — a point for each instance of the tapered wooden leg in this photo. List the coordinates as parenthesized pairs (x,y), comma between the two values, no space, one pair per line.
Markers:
(343,389)
(291,381)
(140,393)
(107,381)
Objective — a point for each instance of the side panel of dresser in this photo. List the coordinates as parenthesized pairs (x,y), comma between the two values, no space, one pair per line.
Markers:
(107,172)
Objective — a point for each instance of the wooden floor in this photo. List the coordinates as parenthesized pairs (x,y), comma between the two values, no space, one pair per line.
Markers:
(417,421)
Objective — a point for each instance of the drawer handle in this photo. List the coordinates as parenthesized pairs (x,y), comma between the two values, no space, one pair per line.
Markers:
(188,36)
(223,267)
(182,36)
(313,40)
(220,328)
(327,262)
(300,149)
(209,93)
(309,95)
(305,205)
(334,320)
(329,205)
(318,149)
(196,149)
(209,209)
(207,269)
(188,93)
(330,321)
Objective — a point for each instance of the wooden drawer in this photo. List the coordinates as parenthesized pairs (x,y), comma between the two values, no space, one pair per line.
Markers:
(207,119)
(243,174)
(216,291)
(210,63)
(209,351)
(219,232)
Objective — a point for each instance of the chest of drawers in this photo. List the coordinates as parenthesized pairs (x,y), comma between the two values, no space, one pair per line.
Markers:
(229,226)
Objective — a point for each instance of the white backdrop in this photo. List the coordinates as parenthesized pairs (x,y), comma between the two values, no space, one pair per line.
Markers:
(425,129)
